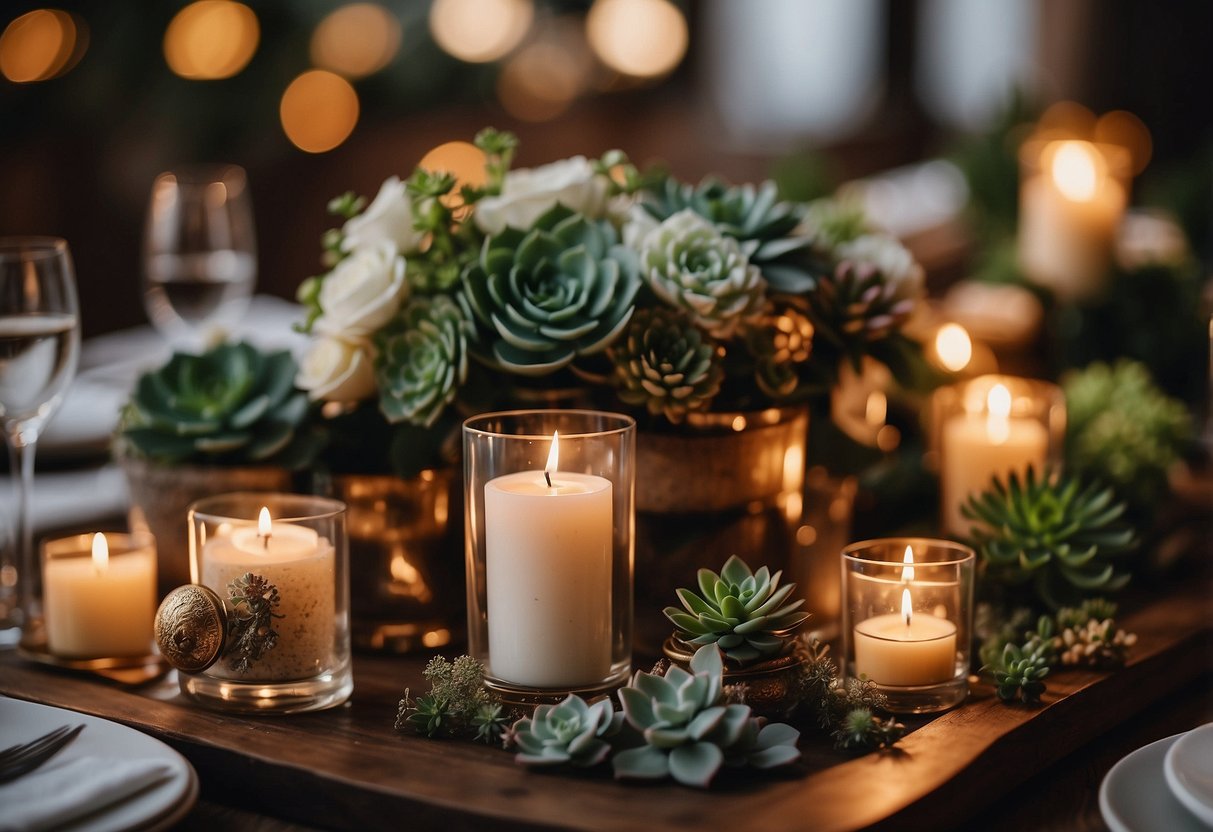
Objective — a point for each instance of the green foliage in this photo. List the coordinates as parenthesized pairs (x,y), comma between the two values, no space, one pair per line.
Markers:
(1123,429)
(844,709)
(1049,534)
(457,704)
(861,729)
(422,360)
(746,614)
(1019,675)
(250,622)
(571,733)
(232,405)
(663,363)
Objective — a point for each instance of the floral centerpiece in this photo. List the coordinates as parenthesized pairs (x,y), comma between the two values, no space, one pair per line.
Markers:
(630,289)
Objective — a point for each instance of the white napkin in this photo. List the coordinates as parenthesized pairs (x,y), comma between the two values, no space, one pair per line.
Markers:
(62,791)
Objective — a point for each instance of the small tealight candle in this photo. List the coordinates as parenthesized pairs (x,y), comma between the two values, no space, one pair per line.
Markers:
(98,602)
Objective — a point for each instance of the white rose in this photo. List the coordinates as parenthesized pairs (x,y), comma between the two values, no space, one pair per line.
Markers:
(388,219)
(337,369)
(637,227)
(529,193)
(901,271)
(363,292)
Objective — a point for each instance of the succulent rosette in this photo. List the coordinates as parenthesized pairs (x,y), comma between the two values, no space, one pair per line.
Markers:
(692,266)
(544,296)
(666,364)
(422,360)
(570,733)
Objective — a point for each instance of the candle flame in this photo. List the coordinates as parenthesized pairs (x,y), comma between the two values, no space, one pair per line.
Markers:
(101,552)
(954,347)
(907,606)
(907,571)
(998,405)
(1075,170)
(553,458)
(265,526)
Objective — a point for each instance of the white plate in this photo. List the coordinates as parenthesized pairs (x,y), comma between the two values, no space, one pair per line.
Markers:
(158,807)
(1189,771)
(1134,796)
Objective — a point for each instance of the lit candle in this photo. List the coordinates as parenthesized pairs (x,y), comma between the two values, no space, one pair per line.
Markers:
(98,603)
(301,565)
(1070,206)
(976,447)
(548,576)
(904,650)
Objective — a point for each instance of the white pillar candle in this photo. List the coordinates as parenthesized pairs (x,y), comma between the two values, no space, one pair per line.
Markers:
(99,604)
(906,650)
(301,565)
(548,577)
(1069,209)
(976,447)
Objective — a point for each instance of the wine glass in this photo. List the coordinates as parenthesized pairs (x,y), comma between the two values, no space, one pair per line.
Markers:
(39,347)
(199,254)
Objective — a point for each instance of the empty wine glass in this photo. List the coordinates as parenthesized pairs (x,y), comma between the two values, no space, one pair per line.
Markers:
(199,254)
(39,346)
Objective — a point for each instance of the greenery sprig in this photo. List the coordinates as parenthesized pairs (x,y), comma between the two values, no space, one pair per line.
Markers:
(250,620)
(845,710)
(457,704)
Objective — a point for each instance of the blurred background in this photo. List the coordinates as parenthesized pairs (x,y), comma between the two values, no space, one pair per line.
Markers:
(314,98)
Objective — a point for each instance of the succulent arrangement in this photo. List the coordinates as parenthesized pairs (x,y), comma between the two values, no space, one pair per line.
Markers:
(570,733)
(746,614)
(1051,534)
(456,705)
(232,405)
(845,710)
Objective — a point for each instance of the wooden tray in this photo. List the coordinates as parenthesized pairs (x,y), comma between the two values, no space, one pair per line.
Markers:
(348,769)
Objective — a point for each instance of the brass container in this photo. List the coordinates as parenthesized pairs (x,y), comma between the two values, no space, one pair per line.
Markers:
(769,687)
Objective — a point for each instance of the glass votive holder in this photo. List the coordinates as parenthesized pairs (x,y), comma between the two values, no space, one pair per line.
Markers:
(907,620)
(278,566)
(549,543)
(98,597)
(988,427)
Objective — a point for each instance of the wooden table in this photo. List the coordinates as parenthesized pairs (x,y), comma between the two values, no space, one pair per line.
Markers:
(347,769)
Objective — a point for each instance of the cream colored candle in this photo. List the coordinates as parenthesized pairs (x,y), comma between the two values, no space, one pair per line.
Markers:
(548,577)
(976,447)
(1069,210)
(301,565)
(99,604)
(906,650)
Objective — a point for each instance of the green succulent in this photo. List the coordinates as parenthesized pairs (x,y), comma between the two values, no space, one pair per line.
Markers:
(1050,532)
(861,729)
(766,228)
(665,364)
(1019,675)
(742,612)
(571,733)
(456,705)
(544,296)
(1123,429)
(232,405)
(489,722)
(422,360)
(688,730)
(692,266)
(830,222)
(780,343)
(1096,608)
(429,715)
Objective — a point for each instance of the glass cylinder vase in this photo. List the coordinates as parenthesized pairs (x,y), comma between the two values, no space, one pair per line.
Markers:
(907,620)
(549,527)
(279,563)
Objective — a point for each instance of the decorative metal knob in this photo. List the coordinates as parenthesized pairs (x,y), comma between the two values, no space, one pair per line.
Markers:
(191,628)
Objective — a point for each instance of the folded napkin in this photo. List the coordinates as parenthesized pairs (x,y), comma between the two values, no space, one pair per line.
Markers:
(66,499)
(60,792)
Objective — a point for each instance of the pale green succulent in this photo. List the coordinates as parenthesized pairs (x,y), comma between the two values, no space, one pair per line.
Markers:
(689,732)
(571,733)
(544,296)
(422,360)
(742,612)
(665,364)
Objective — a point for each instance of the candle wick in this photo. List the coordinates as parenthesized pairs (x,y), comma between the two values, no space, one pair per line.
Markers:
(548,477)
(265,541)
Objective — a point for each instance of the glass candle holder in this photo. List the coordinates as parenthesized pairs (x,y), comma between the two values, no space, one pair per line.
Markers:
(279,563)
(549,496)
(988,427)
(907,620)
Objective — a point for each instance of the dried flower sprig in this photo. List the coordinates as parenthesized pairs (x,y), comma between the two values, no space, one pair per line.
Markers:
(457,704)
(250,621)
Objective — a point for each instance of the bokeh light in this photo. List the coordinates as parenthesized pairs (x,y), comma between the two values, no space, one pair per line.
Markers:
(463,160)
(1126,130)
(1076,170)
(953,347)
(319,111)
(356,40)
(641,38)
(41,45)
(540,82)
(211,39)
(478,31)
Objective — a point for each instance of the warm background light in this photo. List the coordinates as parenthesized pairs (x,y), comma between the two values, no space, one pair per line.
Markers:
(953,347)
(356,40)
(318,111)
(642,38)
(540,82)
(463,160)
(1126,130)
(40,45)
(1074,170)
(211,39)
(478,31)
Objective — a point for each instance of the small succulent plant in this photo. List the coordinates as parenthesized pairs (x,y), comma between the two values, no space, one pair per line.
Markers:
(570,733)
(666,364)
(456,705)
(422,360)
(1050,532)
(861,729)
(1019,675)
(232,405)
(780,342)
(746,614)
(688,730)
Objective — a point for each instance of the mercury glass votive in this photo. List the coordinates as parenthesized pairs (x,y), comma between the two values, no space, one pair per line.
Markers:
(549,497)
(279,566)
(907,620)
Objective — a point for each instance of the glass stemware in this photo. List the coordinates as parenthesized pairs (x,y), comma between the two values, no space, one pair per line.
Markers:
(39,347)
(199,254)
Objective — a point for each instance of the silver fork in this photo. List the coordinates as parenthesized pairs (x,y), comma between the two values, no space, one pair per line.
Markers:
(25,757)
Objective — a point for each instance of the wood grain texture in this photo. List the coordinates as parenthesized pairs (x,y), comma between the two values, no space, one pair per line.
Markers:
(347,769)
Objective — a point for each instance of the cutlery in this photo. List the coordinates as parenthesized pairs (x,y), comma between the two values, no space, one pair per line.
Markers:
(25,757)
